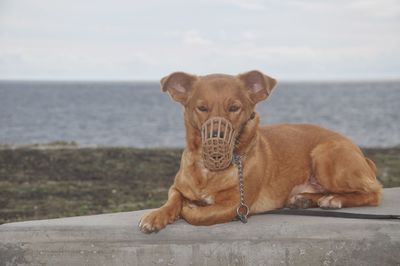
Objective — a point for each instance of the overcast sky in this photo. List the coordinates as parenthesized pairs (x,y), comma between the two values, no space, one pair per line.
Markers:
(147,39)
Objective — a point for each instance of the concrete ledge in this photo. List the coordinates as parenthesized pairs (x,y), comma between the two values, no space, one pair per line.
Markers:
(114,239)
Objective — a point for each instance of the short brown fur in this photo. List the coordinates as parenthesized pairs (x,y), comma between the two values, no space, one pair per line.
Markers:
(297,166)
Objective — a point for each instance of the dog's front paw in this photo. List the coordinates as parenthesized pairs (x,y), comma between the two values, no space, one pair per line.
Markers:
(156,220)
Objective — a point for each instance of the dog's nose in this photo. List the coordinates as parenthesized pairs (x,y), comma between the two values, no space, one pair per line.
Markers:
(215,134)
(216,157)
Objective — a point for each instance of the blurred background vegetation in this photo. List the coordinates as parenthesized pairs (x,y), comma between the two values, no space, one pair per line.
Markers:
(60,181)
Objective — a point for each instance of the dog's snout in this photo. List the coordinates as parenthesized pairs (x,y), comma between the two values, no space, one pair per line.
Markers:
(216,157)
(215,134)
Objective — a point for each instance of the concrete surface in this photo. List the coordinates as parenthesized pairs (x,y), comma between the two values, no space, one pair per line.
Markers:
(114,239)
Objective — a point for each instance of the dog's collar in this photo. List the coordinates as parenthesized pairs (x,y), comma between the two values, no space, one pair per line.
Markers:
(253,114)
(237,141)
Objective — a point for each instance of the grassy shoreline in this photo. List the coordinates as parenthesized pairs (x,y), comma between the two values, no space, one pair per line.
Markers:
(58,180)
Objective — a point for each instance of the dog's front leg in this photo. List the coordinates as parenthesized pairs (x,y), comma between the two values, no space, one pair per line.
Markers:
(166,214)
(211,214)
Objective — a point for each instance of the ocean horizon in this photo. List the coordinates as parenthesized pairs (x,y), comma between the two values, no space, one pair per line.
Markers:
(138,114)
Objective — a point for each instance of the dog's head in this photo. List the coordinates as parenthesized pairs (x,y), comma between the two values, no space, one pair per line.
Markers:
(231,99)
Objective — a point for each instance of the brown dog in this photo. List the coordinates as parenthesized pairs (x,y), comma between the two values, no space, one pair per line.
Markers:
(297,166)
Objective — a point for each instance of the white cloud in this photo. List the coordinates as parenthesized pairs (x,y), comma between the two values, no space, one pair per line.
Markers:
(192,37)
(250,35)
(134,39)
(247,4)
(377,9)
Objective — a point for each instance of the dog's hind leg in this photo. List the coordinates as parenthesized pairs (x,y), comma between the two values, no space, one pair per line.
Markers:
(333,200)
(348,178)
(304,200)
(305,195)
(337,201)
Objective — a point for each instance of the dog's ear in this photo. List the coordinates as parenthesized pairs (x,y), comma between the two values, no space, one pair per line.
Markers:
(178,85)
(258,85)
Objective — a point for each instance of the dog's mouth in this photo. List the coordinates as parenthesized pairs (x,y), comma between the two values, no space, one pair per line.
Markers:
(218,141)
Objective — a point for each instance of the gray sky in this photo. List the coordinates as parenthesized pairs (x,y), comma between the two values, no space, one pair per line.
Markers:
(147,39)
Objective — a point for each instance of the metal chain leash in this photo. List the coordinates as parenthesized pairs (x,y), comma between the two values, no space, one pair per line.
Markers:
(242,210)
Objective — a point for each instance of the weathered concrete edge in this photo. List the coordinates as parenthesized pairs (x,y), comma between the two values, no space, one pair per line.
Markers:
(113,239)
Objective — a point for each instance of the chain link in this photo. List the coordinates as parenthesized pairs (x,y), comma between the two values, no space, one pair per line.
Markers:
(242,210)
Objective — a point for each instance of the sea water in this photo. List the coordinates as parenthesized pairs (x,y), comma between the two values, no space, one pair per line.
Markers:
(138,114)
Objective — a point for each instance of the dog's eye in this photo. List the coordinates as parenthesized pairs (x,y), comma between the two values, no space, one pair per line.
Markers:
(202,108)
(234,108)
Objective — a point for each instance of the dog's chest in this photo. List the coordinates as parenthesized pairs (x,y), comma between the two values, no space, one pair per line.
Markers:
(203,199)
(200,185)
(211,184)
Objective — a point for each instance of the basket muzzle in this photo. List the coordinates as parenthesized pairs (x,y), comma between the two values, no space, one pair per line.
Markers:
(218,141)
